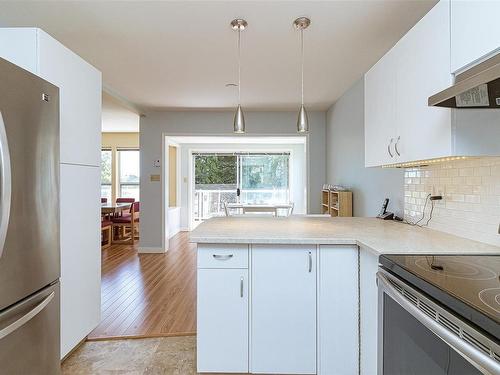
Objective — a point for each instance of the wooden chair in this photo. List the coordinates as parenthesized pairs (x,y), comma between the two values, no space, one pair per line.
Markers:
(106,233)
(128,221)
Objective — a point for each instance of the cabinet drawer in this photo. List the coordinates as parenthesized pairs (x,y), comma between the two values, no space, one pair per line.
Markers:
(223,256)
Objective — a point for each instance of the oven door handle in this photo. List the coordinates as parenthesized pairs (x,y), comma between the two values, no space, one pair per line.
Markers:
(479,359)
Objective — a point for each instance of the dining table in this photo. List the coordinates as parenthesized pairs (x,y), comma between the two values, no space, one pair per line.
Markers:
(259,208)
(108,208)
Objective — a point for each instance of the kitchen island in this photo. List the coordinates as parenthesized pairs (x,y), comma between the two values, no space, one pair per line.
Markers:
(297,295)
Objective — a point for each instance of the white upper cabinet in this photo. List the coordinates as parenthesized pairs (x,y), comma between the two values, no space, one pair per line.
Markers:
(422,69)
(380,112)
(475,32)
(80,104)
(79,84)
(399,125)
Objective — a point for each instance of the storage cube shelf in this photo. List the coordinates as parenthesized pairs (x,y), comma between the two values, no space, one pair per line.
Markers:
(336,203)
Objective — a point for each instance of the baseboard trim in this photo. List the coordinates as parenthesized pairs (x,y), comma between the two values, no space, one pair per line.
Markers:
(151,250)
(77,346)
(141,336)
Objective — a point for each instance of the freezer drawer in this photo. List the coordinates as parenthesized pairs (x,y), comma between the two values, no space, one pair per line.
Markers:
(29,335)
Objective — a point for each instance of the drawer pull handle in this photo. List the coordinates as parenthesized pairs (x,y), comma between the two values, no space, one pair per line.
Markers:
(310,262)
(222,257)
(241,287)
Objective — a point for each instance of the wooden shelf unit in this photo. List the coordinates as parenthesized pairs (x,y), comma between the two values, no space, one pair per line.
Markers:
(336,203)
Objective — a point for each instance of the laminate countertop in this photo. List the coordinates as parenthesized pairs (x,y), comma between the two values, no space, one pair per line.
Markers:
(380,236)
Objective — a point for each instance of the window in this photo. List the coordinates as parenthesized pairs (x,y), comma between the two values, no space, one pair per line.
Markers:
(106,174)
(129,173)
(251,178)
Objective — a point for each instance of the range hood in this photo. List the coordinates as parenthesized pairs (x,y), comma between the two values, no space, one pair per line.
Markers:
(478,87)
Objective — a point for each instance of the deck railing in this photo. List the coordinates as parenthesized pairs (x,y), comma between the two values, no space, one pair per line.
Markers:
(210,202)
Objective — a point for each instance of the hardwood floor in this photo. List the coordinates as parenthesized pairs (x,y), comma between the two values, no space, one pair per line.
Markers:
(148,295)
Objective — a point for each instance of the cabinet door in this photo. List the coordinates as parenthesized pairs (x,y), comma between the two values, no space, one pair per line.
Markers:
(474,31)
(19,46)
(80,101)
(423,132)
(222,333)
(380,100)
(369,311)
(338,310)
(80,253)
(283,326)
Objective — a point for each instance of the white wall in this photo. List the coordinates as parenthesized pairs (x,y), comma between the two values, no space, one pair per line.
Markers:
(346,158)
(156,123)
(298,175)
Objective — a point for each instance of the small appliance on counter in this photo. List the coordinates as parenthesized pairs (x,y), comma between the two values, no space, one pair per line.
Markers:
(439,314)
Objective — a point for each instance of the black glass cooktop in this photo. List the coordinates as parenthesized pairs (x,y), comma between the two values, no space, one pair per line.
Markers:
(466,284)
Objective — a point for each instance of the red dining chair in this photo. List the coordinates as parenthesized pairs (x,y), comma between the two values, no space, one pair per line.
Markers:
(124,200)
(128,221)
(106,233)
(104,200)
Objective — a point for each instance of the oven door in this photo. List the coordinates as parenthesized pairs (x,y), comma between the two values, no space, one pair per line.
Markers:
(416,336)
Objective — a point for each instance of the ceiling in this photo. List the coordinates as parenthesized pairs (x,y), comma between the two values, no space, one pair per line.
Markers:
(176,55)
(117,116)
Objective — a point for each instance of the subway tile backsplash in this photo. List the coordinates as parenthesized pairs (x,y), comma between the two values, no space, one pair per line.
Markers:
(471,197)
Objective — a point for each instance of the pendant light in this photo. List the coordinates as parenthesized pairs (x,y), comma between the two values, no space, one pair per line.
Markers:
(239,119)
(301,24)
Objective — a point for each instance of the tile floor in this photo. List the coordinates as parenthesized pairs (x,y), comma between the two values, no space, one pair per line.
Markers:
(152,356)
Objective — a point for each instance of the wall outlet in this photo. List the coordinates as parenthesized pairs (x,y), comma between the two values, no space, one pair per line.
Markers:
(438,191)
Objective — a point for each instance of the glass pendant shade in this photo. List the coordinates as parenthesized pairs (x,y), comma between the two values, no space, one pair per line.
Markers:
(302,120)
(239,121)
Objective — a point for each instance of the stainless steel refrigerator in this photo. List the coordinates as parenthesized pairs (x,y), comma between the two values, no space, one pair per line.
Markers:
(29,223)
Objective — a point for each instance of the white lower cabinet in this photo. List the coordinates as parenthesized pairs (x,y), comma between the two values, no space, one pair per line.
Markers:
(80,253)
(283,309)
(338,310)
(222,332)
(369,311)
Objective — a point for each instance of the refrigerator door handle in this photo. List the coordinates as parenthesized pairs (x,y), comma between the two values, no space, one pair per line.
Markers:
(27,317)
(5,184)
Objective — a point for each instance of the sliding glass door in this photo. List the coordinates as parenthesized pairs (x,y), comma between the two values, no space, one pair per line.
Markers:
(249,178)
(264,178)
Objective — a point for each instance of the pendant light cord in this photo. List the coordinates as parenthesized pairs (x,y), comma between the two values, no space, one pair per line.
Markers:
(302,66)
(239,65)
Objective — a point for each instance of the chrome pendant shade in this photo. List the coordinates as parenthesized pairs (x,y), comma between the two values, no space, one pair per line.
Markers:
(302,120)
(301,24)
(239,119)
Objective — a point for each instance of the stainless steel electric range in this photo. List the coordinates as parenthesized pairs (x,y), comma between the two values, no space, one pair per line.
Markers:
(439,314)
